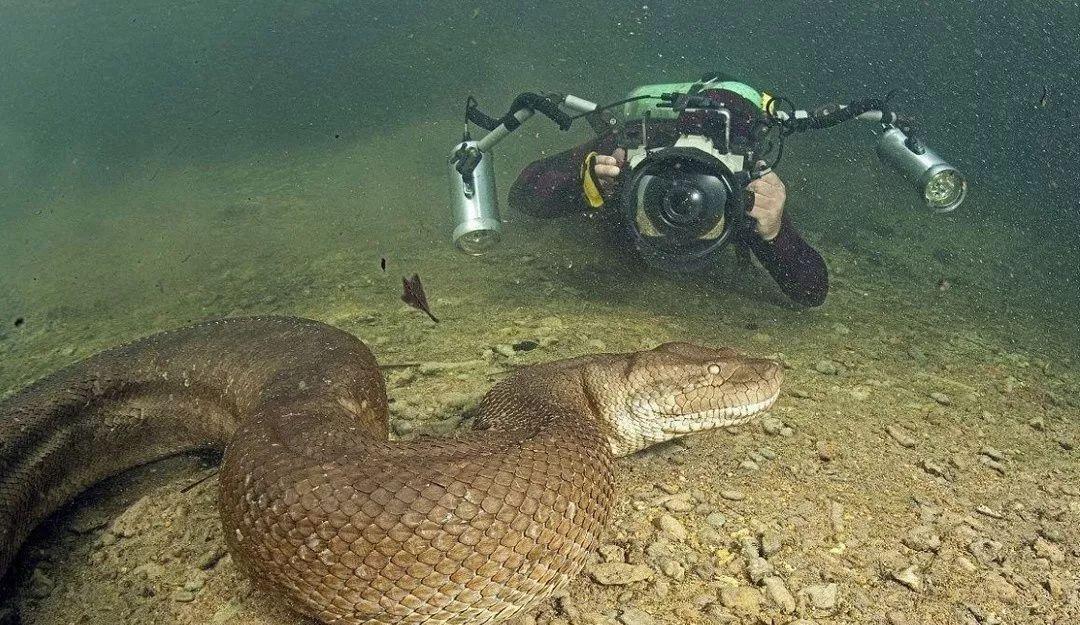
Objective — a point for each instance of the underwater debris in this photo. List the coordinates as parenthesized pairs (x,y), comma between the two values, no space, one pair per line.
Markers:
(413,295)
(382,263)
(19,321)
(1045,99)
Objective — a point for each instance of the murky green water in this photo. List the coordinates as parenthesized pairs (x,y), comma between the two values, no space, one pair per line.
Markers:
(162,163)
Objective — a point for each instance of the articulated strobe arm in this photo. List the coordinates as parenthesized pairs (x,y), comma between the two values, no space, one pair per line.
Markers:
(472,171)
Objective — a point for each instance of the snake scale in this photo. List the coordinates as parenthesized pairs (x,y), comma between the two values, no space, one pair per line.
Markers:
(320,508)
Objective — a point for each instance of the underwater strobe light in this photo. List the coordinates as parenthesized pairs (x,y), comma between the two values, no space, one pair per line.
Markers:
(942,186)
(472,188)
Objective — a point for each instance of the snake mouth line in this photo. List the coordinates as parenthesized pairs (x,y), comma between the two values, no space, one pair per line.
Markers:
(718,417)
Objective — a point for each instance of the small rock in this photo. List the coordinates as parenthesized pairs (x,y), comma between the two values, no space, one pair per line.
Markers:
(922,538)
(908,577)
(771,542)
(836,516)
(767,453)
(822,596)
(741,599)
(990,512)
(992,464)
(633,616)
(1065,444)
(1051,534)
(671,527)
(1045,549)
(992,453)
(896,617)
(182,596)
(1054,586)
(733,495)
(787,432)
(1037,424)
(900,436)
(680,503)
(193,585)
(672,568)
(612,553)
(933,468)
(826,367)
(210,558)
(749,465)
(619,573)
(941,398)
(827,451)
(1001,588)
(779,594)
(716,519)
(758,569)
(986,551)
(772,425)
(503,349)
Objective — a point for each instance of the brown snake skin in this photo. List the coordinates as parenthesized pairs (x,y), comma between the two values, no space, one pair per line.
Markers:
(320,508)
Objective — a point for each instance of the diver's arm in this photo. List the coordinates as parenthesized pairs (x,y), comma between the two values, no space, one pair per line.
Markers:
(797,267)
(551,187)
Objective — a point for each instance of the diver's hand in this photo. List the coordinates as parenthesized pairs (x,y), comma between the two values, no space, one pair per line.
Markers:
(768,195)
(608,168)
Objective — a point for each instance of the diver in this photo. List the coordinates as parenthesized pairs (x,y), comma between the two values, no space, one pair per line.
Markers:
(685,170)
(558,185)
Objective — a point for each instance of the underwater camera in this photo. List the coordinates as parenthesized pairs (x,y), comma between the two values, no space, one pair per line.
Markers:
(691,150)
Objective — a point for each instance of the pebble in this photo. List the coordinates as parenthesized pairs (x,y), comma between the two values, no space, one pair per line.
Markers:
(716,519)
(680,503)
(619,573)
(612,553)
(992,464)
(1037,424)
(922,538)
(182,596)
(780,595)
(822,596)
(908,577)
(1045,549)
(1051,534)
(992,453)
(1001,588)
(900,436)
(759,569)
(733,495)
(1054,586)
(827,451)
(634,616)
(767,453)
(771,542)
(787,432)
(933,468)
(749,465)
(741,599)
(193,585)
(990,512)
(671,527)
(210,558)
(986,551)
(826,367)
(836,516)
(896,617)
(673,568)
(941,398)
(772,425)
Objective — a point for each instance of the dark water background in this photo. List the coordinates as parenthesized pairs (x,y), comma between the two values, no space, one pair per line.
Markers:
(99,96)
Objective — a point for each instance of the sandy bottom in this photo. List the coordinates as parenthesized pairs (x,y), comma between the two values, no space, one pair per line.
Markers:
(919,467)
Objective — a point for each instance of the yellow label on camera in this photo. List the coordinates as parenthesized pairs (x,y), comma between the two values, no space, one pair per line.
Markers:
(589,184)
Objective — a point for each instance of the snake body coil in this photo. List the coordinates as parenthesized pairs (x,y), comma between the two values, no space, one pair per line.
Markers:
(320,507)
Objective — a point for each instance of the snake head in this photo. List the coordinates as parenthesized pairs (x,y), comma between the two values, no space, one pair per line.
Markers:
(653,396)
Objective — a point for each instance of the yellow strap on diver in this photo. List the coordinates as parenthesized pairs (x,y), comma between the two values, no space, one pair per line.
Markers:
(766,99)
(589,184)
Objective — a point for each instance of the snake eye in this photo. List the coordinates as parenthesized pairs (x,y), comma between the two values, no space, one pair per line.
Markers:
(714,369)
